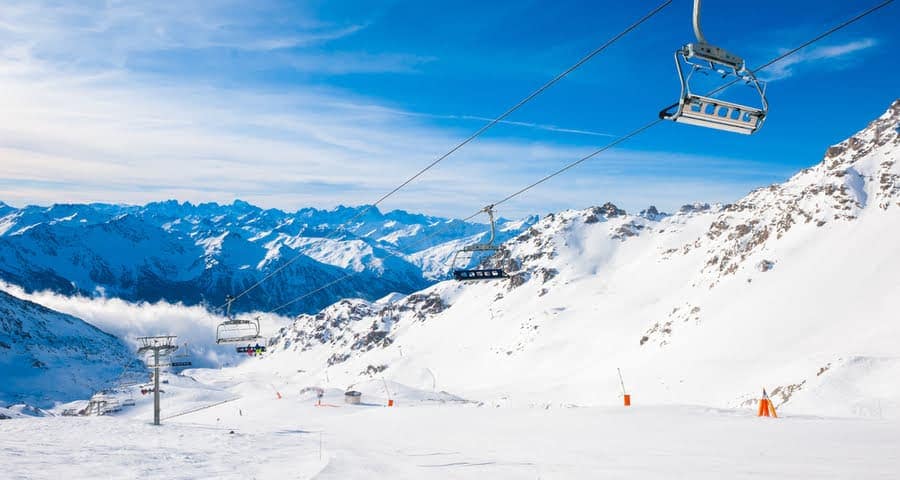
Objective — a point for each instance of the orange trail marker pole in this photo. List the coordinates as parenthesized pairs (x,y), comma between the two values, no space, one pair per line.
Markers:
(626,397)
(388,392)
(766,407)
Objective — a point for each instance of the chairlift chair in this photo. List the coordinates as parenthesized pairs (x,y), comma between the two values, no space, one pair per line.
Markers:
(707,111)
(236,330)
(463,274)
(180,360)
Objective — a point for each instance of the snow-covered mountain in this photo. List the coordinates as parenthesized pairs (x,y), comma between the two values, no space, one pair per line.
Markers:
(48,357)
(794,288)
(195,254)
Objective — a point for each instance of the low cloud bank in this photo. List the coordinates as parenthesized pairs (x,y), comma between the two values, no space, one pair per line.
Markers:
(195,326)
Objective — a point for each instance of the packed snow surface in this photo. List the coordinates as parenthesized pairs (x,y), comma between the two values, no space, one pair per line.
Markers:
(249,432)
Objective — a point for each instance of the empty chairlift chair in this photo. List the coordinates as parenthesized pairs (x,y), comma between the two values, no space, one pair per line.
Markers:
(707,111)
(464,274)
(236,330)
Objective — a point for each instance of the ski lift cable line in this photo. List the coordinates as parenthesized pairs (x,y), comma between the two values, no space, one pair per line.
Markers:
(627,136)
(421,242)
(522,102)
(574,164)
(473,136)
(647,126)
(313,292)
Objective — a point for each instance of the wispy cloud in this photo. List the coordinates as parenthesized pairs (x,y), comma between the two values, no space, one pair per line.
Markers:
(341,63)
(78,127)
(112,34)
(826,56)
(477,118)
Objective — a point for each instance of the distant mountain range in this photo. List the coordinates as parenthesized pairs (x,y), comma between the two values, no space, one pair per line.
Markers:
(198,254)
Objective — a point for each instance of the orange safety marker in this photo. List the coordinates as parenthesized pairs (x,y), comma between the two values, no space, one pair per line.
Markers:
(626,397)
(277,393)
(387,391)
(766,407)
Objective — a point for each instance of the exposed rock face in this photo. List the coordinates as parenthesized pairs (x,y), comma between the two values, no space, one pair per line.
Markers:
(352,326)
(651,213)
(859,171)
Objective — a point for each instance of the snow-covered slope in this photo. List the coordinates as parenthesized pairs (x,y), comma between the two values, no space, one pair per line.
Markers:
(793,288)
(48,357)
(195,254)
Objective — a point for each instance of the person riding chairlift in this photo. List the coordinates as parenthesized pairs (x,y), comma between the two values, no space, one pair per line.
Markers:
(254,350)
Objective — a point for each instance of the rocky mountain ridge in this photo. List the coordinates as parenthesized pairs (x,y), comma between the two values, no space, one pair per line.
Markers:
(197,254)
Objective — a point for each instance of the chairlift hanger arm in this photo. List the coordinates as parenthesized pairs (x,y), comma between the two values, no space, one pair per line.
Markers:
(698,32)
(490,211)
(229,299)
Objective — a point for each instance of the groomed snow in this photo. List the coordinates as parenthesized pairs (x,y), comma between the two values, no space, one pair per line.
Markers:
(441,438)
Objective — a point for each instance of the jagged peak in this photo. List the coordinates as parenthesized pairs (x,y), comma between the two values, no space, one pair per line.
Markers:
(652,213)
(858,172)
(696,207)
(884,129)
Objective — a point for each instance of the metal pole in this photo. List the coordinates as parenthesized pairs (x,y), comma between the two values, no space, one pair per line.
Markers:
(490,211)
(698,32)
(160,345)
(433,379)
(156,387)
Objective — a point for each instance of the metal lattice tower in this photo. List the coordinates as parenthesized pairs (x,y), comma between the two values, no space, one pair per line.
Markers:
(159,345)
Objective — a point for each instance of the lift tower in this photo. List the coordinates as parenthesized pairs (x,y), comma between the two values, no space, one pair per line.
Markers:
(160,346)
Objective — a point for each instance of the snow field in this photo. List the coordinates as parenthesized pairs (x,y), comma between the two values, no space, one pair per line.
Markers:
(281,439)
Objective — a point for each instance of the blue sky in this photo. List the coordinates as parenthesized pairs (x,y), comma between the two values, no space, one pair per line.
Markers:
(292,104)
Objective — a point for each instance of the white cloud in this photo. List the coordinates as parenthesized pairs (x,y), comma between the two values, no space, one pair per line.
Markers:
(106,33)
(194,326)
(341,63)
(824,55)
